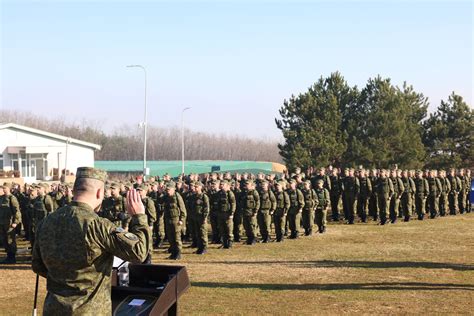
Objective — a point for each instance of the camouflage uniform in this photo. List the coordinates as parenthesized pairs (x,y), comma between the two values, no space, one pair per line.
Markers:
(197,213)
(9,214)
(294,213)
(281,210)
(250,205)
(174,212)
(264,215)
(225,217)
(74,251)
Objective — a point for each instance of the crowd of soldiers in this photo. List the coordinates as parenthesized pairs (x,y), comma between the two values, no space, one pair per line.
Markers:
(290,204)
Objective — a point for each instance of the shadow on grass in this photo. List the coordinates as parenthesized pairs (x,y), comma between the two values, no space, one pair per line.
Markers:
(354,264)
(340,286)
(18,266)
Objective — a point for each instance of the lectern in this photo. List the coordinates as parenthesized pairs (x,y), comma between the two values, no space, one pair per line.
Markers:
(153,290)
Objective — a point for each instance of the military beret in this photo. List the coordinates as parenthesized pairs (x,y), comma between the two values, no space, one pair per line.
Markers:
(91,173)
(170,185)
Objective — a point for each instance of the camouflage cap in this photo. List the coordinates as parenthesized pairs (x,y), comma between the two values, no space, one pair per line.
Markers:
(114,185)
(307,182)
(142,187)
(91,173)
(7,185)
(225,182)
(170,185)
(198,184)
(320,181)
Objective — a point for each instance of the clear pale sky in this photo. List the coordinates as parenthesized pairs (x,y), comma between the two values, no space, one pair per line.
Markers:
(233,62)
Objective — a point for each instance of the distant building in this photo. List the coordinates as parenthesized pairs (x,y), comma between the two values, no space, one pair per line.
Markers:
(38,155)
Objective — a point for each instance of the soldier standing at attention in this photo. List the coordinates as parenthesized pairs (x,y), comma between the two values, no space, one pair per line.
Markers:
(198,212)
(464,191)
(150,212)
(10,218)
(435,189)
(321,175)
(322,197)
(310,203)
(445,188)
(407,195)
(225,214)
(468,180)
(236,189)
(174,216)
(335,193)
(364,196)
(250,206)
(214,202)
(373,204)
(455,183)
(350,194)
(397,195)
(75,248)
(114,206)
(267,207)
(384,194)
(422,192)
(296,208)
(282,207)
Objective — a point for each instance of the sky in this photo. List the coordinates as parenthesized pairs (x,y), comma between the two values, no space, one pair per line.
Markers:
(232,62)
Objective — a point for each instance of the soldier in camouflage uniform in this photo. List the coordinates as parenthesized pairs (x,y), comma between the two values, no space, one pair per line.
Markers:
(150,212)
(113,208)
(174,216)
(384,195)
(455,184)
(322,206)
(282,201)
(364,196)
(373,203)
(296,208)
(468,180)
(407,195)
(265,212)
(43,206)
(10,218)
(463,196)
(214,202)
(445,189)
(197,213)
(225,214)
(250,201)
(310,203)
(398,189)
(159,227)
(435,190)
(238,219)
(422,192)
(350,194)
(75,248)
(335,192)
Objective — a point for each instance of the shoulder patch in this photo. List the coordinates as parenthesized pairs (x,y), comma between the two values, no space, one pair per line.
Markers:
(131,236)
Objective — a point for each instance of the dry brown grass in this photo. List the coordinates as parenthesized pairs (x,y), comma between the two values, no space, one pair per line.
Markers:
(407,268)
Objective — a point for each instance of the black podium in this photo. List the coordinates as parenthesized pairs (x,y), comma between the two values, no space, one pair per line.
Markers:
(153,290)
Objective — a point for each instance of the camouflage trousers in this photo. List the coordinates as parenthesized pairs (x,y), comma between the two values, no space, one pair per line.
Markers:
(453,203)
(264,220)
(443,204)
(226,227)
(308,218)
(394,207)
(320,216)
(335,199)
(173,230)
(384,207)
(433,205)
(159,229)
(279,222)
(214,227)
(462,201)
(198,231)
(8,238)
(363,207)
(238,221)
(406,204)
(250,226)
(294,222)
(420,205)
(350,205)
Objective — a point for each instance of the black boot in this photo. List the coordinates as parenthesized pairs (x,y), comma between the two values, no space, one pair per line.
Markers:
(407,218)
(200,251)
(175,256)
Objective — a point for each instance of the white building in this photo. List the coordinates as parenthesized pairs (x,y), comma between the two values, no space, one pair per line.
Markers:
(35,154)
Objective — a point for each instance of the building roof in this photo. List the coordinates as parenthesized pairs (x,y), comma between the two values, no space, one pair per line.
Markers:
(49,135)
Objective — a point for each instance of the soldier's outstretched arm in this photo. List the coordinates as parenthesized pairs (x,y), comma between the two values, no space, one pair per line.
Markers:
(131,246)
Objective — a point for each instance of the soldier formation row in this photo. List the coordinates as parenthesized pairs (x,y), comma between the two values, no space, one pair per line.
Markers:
(182,209)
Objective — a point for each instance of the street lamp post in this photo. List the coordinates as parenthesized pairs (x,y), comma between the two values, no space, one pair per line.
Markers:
(144,124)
(182,139)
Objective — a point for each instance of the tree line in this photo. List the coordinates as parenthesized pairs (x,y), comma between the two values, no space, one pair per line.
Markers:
(126,142)
(379,125)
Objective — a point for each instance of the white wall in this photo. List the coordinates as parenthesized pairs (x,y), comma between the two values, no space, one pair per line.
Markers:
(78,156)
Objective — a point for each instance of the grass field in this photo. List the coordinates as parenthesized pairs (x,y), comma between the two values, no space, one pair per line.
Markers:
(409,268)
